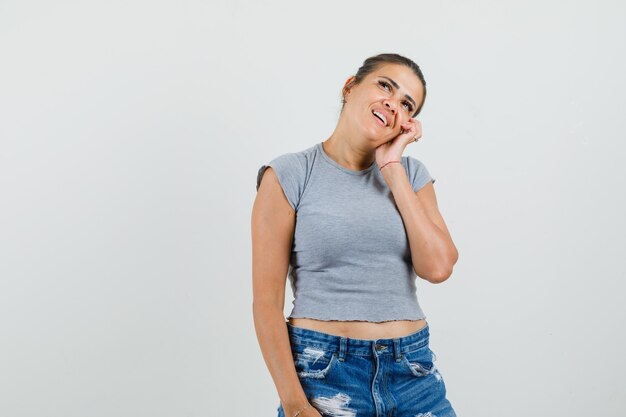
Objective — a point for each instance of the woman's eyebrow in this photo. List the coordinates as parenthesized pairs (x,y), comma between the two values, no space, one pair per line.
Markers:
(395,84)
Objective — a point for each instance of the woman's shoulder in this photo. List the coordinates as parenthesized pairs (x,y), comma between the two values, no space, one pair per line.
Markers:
(411,160)
(294,163)
(293,170)
(299,158)
(417,172)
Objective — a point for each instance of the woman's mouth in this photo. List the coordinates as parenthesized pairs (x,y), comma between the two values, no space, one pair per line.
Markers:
(380,118)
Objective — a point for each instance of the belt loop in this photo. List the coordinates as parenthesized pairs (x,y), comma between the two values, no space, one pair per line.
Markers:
(342,348)
(396,349)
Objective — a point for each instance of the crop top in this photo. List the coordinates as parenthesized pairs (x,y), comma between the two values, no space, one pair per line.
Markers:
(350,256)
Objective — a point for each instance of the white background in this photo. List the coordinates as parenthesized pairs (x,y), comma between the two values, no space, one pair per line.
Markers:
(131,135)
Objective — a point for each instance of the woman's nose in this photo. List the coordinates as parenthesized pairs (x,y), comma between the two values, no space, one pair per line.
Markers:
(390,106)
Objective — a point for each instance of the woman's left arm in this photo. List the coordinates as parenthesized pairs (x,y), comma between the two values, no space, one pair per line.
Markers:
(433,252)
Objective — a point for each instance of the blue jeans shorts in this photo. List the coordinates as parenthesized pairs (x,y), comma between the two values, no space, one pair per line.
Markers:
(369,378)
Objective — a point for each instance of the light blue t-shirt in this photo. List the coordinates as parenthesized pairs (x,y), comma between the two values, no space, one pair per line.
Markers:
(350,257)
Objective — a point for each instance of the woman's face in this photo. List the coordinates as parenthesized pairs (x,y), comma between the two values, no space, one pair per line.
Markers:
(393,90)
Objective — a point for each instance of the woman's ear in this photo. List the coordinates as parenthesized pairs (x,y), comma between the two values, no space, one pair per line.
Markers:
(348,85)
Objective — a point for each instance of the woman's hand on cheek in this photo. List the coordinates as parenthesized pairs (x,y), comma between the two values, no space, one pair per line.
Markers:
(393,150)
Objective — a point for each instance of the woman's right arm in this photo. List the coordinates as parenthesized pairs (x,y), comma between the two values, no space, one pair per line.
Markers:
(273,226)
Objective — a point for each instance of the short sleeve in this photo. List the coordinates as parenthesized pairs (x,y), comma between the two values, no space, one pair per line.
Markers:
(417,173)
(290,169)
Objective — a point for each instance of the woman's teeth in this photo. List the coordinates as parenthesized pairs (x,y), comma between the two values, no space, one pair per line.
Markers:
(380,116)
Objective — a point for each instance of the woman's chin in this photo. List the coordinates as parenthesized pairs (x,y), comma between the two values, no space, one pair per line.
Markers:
(375,142)
(379,141)
(375,139)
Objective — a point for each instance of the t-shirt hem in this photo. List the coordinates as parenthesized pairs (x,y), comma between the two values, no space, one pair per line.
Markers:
(354,318)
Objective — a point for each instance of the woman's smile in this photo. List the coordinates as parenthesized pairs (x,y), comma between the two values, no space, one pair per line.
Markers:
(380,122)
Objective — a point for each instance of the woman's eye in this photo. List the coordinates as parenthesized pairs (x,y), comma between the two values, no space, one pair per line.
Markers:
(387,85)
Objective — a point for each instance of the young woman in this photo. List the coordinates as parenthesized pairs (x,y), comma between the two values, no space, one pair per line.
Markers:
(352,222)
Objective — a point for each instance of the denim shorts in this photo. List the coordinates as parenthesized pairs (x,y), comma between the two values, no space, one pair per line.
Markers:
(369,378)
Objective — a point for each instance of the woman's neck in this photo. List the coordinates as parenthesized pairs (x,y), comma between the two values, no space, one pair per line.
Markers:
(348,154)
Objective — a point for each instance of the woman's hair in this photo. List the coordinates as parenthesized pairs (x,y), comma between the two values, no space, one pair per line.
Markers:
(371,64)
